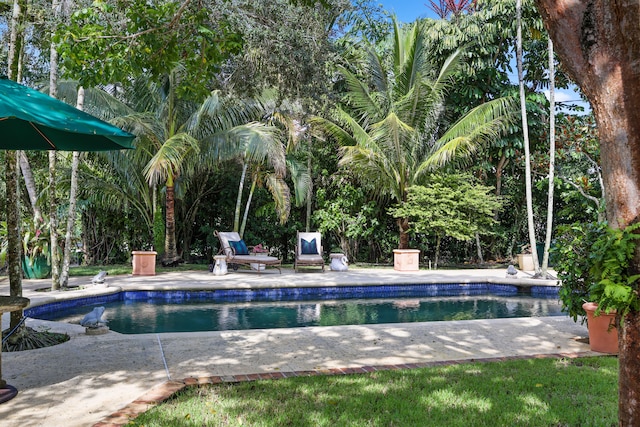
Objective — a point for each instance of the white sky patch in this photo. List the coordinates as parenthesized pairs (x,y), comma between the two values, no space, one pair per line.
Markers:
(570,96)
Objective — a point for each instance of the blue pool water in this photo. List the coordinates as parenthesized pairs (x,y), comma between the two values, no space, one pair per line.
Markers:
(137,312)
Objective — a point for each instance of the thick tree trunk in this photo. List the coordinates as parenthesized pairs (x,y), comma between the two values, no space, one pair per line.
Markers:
(599,44)
(629,375)
(403,227)
(14,249)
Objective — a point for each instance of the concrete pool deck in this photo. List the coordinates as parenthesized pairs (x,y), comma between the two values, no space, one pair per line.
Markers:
(90,379)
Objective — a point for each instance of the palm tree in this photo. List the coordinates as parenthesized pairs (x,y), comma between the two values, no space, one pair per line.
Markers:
(390,128)
(552,157)
(274,179)
(525,133)
(177,140)
(267,159)
(177,137)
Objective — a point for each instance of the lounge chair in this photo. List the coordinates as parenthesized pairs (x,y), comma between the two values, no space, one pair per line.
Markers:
(308,250)
(237,252)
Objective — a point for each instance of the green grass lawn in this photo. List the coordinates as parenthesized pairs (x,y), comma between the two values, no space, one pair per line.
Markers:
(533,392)
(115,269)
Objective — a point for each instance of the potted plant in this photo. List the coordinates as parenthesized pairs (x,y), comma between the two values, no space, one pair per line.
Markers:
(448,206)
(593,262)
(615,289)
(36,256)
(571,255)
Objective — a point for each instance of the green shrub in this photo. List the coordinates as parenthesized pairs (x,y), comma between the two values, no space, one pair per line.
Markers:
(593,262)
(572,257)
(615,287)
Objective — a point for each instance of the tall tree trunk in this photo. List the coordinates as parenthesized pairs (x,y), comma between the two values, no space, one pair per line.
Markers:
(53,52)
(403,228)
(71,218)
(499,169)
(246,208)
(479,249)
(599,44)
(53,199)
(16,39)
(552,159)
(236,214)
(158,223)
(309,190)
(525,134)
(88,241)
(30,184)
(14,249)
(170,252)
(14,252)
(53,223)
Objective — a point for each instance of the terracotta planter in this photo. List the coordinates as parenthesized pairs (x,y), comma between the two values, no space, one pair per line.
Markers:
(406,259)
(144,263)
(603,335)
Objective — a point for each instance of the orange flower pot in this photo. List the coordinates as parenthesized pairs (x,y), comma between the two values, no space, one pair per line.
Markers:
(603,334)
(144,263)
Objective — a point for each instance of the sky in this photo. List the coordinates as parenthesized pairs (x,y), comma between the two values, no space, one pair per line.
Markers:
(408,10)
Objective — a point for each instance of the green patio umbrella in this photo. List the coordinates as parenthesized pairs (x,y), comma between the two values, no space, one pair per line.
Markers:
(32,120)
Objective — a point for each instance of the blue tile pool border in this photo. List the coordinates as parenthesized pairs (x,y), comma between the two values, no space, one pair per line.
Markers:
(303,294)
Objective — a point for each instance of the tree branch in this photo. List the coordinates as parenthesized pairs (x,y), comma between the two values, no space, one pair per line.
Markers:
(581,190)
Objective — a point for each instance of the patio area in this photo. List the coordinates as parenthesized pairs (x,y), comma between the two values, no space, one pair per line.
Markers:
(90,379)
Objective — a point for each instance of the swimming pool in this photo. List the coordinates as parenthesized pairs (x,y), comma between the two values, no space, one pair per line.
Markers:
(136,312)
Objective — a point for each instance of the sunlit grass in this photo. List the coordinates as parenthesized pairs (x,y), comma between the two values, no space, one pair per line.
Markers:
(534,392)
(116,269)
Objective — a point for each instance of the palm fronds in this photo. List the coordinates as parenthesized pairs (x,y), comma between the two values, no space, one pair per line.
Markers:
(281,196)
(167,161)
(482,124)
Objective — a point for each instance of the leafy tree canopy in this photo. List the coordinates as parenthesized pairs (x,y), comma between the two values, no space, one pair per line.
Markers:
(450,205)
(281,53)
(111,42)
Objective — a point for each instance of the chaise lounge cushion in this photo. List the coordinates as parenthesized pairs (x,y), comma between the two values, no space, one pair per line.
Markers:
(240,247)
(309,247)
(315,259)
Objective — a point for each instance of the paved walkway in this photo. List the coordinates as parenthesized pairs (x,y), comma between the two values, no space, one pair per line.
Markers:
(89,379)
